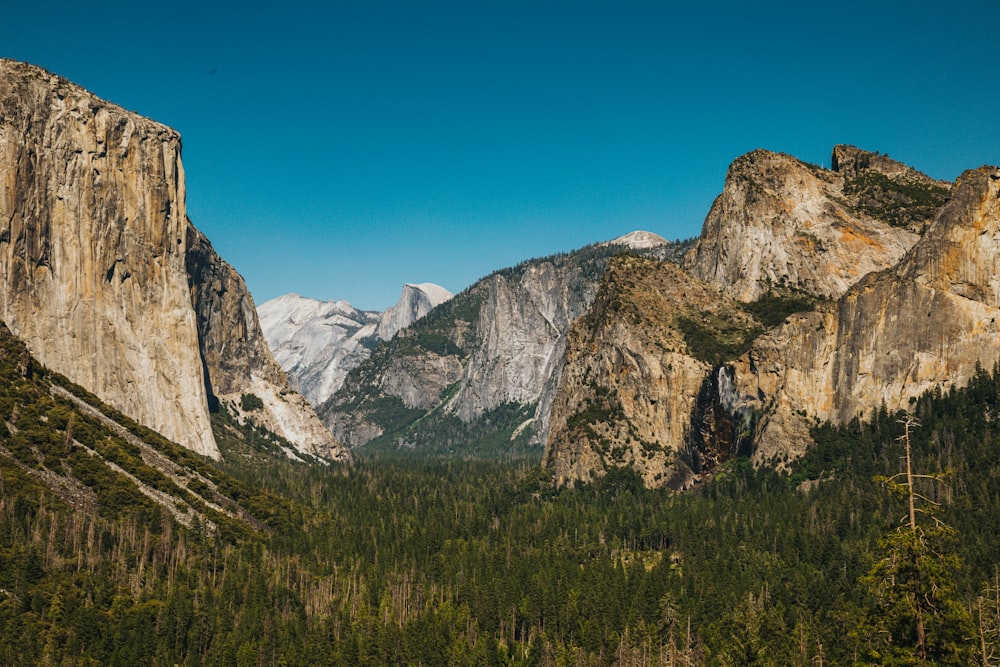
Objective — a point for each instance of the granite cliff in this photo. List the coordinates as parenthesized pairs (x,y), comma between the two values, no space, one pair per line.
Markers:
(95,251)
(781,221)
(318,342)
(237,359)
(926,323)
(635,369)
(415,302)
(809,295)
(480,368)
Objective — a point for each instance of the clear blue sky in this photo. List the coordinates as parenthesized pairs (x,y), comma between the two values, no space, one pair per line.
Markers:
(340,149)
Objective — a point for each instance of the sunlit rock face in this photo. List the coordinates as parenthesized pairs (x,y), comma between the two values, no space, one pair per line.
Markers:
(905,268)
(237,358)
(632,393)
(925,323)
(498,343)
(95,248)
(415,302)
(317,342)
(93,237)
(781,221)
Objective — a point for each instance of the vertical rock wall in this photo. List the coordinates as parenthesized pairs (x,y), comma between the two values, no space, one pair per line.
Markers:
(780,221)
(925,323)
(92,249)
(105,279)
(237,358)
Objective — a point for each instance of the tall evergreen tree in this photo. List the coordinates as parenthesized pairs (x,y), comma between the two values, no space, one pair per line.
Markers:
(917,617)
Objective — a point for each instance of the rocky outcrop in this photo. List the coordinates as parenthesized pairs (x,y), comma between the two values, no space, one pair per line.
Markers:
(415,302)
(95,248)
(780,221)
(639,240)
(318,342)
(93,239)
(632,395)
(923,324)
(638,388)
(237,359)
(496,347)
(887,190)
(521,332)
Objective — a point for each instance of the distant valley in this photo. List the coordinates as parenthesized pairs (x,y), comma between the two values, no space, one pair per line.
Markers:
(637,452)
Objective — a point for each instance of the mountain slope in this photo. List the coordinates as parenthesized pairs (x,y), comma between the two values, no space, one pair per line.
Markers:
(415,302)
(635,365)
(780,221)
(782,237)
(238,362)
(482,366)
(926,323)
(92,251)
(63,439)
(318,342)
(95,252)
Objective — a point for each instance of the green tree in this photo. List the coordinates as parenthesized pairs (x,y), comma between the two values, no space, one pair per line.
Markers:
(917,617)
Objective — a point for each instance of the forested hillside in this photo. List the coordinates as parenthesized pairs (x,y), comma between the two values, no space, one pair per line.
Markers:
(479,561)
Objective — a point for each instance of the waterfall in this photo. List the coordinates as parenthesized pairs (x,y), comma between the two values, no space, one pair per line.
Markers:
(721,428)
(726,387)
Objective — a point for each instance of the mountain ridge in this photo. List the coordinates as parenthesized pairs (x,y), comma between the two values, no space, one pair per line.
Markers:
(318,342)
(925,323)
(490,355)
(97,257)
(782,221)
(762,396)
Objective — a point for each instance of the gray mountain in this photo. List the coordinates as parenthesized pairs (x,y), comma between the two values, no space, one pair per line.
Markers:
(318,342)
(481,369)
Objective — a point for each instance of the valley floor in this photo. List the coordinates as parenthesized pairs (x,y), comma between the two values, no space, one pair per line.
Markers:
(444,562)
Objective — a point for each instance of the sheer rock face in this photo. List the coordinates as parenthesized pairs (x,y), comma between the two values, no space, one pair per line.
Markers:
(923,324)
(522,326)
(910,314)
(319,342)
(237,358)
(782,221)
(92,247)
(95,248)
(498,343)
(415,302)
(631,389)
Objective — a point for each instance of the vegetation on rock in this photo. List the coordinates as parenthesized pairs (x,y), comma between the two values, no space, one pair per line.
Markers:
(901,202)
(433,561)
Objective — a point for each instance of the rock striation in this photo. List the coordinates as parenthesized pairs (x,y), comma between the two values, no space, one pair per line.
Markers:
(781,221)
(318,342)
(95,247)
(415,302)
(93,239)
(633,381)
(923,324)
(673,371)
(485,363)
(237,359)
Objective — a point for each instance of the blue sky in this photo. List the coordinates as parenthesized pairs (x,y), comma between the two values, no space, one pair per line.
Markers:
(341,149)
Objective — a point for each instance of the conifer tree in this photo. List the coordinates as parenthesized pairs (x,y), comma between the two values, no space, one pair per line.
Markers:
(917,617)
